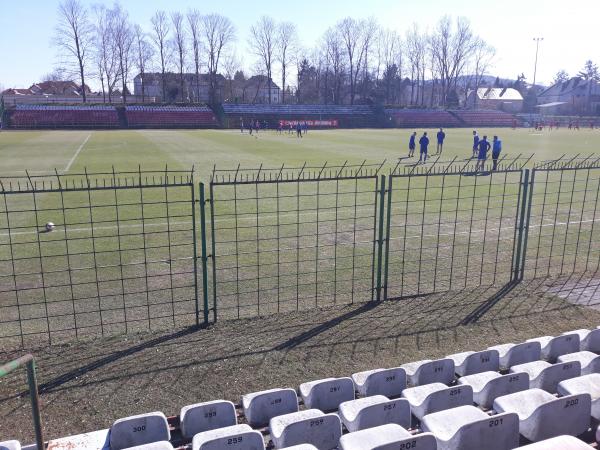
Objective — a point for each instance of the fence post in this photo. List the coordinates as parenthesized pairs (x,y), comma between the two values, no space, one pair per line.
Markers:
(526,225)
(203,250)
(195,262)
(517,251)
(387,238)
(380,235)
(211,200)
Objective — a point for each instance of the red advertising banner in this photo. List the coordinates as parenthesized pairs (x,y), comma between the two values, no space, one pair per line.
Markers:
(310,123)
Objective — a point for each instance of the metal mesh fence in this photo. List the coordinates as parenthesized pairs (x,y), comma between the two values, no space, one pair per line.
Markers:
(118,259)
(293,239)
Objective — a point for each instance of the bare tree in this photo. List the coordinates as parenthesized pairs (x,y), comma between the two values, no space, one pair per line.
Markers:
(287,39)
(357,37)
(350,33)
(452,47)
(124,39)
(193,19)
(483,56)
(231,65)
(160,26)
(389,52)
(73,35)
(591,74)
(104,51)
(415,52)
(263,35)
(219,33)
(179,45)
(143,56)
(334,57)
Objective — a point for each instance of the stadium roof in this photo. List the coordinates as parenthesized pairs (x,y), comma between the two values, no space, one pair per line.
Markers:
(499,94)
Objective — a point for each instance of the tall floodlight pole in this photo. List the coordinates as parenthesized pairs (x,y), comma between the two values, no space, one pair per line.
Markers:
(537,47)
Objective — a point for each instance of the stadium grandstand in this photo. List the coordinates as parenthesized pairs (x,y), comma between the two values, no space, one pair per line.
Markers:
(543,393)
(410,118)
(170,117)
(53,116)
(343,116)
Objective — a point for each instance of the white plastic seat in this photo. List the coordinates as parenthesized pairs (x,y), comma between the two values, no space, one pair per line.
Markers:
(206,416)
(387,437)
(306,427)
(564,442)
(546,376)
(239,437)
(468,363)
(553,347)
(10,445)
(327,394)
(513,354)
(301,447)
(138,430)
(588,339)
(434,397)
(589,362)
(542,416)
(373,411)
(429,371)
(487,386)
(162,445)
(585,384)
(260,407)
(469,428)
(388,382)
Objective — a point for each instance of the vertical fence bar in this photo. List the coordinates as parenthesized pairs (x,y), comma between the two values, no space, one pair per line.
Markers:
(387,238)
(374,252)
(195,249)
(527,224)
(517,257)
(213,250)
(204,253)
(380,236)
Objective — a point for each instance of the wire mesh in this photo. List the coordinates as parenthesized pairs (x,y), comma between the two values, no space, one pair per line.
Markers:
(293,240)
(118,259)
(563,233)
(451,229)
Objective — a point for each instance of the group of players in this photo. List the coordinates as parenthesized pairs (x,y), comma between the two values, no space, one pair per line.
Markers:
(301,128)
(481,148)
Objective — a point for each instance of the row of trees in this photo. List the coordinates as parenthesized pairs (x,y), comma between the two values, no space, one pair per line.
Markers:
(354,60)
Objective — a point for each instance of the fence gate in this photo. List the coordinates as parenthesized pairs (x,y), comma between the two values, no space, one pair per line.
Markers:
(451,228)
(563,234)
(293,238)
(119,259)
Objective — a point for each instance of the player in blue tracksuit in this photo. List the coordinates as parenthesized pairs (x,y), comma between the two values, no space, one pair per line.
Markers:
(440,141)
(496,149)
(412,145)
(484,148)
(423,143)
(475,144)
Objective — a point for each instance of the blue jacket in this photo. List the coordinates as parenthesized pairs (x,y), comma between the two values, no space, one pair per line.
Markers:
(424,142)
(497,147)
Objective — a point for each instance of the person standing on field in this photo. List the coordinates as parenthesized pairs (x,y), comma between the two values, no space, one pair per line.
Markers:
(423,143)
(496,149)
(484,148)
(412,144)
(440,141)
(475,143)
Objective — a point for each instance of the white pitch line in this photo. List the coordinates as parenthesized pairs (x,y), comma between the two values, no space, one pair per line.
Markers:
(77,152)
(162,224)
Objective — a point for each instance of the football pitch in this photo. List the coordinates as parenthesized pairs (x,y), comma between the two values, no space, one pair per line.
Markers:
(122,260)
(72,151)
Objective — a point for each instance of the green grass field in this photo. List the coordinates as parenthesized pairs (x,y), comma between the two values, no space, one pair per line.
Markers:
(180,149)
(122,259)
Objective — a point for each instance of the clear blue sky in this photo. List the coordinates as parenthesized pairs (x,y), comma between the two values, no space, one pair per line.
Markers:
(570,29)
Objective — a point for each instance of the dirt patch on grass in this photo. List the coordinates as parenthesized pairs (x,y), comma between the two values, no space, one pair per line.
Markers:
(88,384)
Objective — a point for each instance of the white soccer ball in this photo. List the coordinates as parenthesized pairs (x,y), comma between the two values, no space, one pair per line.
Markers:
(49,226)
